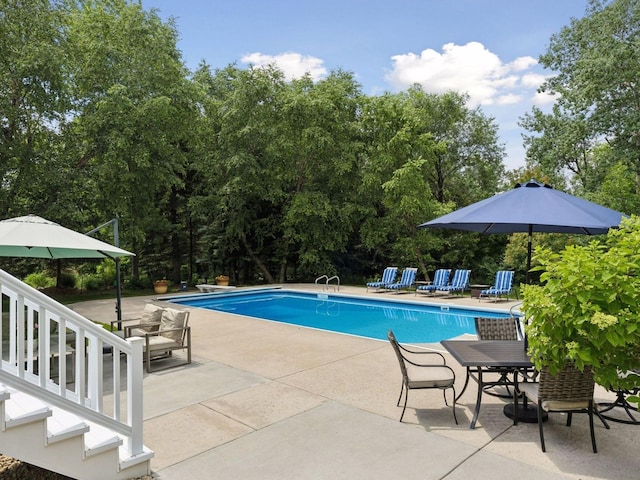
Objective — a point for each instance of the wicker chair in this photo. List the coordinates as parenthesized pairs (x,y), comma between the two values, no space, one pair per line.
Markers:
(569,391)
(416,374)
(499,329)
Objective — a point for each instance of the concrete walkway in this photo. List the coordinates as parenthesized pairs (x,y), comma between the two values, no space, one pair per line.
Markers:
(264,400)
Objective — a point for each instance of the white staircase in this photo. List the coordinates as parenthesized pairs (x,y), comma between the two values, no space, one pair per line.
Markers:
(70,392)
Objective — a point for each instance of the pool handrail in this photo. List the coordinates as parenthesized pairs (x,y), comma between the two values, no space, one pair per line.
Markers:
(327,282)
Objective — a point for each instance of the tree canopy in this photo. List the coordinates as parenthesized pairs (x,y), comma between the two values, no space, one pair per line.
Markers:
(241,171)
(595,122)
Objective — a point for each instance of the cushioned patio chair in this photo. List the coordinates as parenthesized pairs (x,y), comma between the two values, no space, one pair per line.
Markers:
(459,282)
(161,339)
(423,369)
(440,280)
(502,285)
(137,327)
(508,329)
(388,276)
(570,391)
(407,280)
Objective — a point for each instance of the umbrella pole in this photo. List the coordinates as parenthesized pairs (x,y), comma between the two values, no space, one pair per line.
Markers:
(118,294)
(526,278)
(116,242)
(529,240)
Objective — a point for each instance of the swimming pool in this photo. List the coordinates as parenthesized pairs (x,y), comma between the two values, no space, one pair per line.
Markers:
(371,318)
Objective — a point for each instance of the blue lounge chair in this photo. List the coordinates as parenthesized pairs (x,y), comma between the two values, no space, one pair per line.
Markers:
(388,276)
(502,285)
(459,282)
(440,279)
(406,281)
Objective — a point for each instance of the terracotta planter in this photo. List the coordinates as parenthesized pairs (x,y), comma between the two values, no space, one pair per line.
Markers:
(160,286)
(222,280)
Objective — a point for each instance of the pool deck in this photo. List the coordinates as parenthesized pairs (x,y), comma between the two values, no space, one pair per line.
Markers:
(264,400)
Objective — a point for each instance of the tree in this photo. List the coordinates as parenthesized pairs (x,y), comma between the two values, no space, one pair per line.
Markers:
(135,112)
(595,61)
(561,142)
(455,157)
(33,105)
(283,170)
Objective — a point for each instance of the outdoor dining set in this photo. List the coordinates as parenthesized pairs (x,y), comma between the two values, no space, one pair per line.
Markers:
(499,364)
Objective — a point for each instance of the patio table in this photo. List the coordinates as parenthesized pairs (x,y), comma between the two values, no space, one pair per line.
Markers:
(480,356)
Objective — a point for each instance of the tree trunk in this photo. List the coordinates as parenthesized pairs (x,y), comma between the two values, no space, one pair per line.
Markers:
(261,266)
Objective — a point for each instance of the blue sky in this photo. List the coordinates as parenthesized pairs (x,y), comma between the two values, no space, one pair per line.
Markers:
(487,48)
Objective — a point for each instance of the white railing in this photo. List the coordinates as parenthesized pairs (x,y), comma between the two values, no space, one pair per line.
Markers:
(53,353)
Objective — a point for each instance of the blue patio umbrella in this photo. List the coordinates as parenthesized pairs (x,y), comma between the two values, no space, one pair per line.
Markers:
(531,207)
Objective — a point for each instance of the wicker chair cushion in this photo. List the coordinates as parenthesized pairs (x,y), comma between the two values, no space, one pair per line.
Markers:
(531,389)
(569,390)
(172,319)
(429,377)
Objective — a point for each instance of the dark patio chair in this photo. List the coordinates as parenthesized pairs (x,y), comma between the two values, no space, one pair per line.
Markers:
(570,391)
(421,370)
(499,329)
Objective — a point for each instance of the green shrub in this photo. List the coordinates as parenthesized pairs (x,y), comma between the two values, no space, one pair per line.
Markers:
(93,282)
(67,279)
(131,283)
(39,280)
(587,307)
(107,270)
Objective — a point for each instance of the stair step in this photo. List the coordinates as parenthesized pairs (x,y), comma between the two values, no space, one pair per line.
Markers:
(100,439)
(21,409)
(64,425)
(4,394)
(129,461)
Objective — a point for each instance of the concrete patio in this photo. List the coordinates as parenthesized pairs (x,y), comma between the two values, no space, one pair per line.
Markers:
(264,400)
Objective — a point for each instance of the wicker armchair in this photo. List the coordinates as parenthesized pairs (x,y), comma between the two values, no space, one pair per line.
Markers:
(498,328)
(569,391)
(423,369)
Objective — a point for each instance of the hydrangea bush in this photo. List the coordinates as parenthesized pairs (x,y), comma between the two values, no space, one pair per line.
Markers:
(587,307)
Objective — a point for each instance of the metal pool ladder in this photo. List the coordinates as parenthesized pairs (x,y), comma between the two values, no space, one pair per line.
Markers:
(327,284)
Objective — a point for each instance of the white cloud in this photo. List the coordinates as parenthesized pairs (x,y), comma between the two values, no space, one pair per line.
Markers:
(533,80)
(509,99)
(469,68)
(543,98)
(293,65)
(523,63)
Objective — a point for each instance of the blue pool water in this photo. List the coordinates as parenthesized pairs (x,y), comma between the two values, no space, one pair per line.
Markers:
(411,322)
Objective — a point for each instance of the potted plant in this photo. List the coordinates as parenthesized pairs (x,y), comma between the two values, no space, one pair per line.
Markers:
(222,280)
(161,286)
(587,308)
